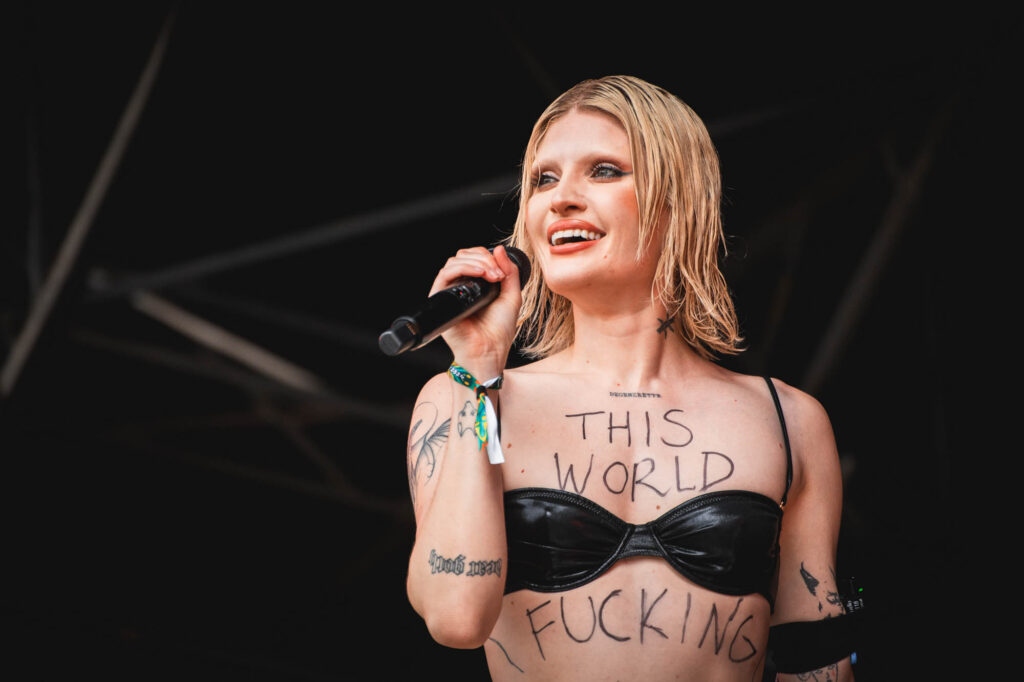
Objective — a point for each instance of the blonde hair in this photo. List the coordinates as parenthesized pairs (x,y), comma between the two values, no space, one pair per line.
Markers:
(677,177)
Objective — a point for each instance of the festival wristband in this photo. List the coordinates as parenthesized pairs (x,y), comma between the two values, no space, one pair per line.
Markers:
(486,423)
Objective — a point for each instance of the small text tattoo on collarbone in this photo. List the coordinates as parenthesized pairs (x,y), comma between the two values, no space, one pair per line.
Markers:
(632,394)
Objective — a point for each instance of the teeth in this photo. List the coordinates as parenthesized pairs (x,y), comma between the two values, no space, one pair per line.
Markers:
(560,236)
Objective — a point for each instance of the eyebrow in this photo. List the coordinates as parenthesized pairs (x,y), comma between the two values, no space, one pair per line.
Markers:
(588,160)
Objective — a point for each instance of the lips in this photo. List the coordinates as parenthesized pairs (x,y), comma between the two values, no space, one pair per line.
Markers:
(566,236)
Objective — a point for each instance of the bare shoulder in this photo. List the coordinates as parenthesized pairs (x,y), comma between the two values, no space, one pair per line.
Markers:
(815,456)
(806,418)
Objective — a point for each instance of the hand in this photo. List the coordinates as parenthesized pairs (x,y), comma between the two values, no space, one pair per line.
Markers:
(481,342)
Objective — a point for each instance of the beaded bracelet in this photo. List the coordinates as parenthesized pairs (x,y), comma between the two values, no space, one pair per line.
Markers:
(486,423)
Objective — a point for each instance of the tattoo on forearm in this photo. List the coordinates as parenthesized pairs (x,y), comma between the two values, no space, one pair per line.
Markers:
(426,438)
(458,565)
(809,580)
(466,416)
(832,596)
(440,564)
(484,567)
(510,662)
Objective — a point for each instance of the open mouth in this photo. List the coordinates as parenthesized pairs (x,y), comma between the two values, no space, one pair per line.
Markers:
(571,236)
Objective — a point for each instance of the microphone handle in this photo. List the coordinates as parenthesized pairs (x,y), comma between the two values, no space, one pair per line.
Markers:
(441,311)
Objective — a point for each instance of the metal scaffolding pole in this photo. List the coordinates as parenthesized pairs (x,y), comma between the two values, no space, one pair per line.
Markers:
(907,187)
(47,297)
(346,228)
(105,286)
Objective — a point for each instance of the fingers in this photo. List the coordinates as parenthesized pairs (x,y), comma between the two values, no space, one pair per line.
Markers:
(474,262)
(508,267)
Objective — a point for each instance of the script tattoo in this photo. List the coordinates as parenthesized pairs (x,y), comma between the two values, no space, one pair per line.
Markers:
(424,444)
(440,564)
(458,565)
(484,567)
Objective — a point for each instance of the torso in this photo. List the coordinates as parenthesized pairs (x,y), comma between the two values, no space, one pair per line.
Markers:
(637,456)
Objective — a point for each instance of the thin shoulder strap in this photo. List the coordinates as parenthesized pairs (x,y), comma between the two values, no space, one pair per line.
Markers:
(785,438)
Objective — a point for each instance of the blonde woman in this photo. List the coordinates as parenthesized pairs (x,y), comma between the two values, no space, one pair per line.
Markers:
(646,513)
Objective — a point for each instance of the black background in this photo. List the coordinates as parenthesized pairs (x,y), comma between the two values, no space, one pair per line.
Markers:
(172,514)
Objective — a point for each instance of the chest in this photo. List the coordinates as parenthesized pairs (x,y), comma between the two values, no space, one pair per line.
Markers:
(639,455)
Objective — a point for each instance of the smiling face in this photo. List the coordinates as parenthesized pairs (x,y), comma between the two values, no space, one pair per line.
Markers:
(581,215)
(581,154)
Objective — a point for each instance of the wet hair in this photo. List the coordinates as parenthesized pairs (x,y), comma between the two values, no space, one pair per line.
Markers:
(678,182)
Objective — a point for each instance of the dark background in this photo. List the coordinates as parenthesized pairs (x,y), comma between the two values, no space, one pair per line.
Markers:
(172,513)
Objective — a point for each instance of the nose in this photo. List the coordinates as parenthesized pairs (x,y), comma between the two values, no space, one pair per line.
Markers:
(567,196)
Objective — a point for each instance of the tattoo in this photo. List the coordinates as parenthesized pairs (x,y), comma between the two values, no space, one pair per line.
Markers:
(829,673)
(724,635)
(832,596)
(424,445)
(466,417)
(506,655)
(663,327)
(621,394)
(809,580)
(441,564)
(484,567)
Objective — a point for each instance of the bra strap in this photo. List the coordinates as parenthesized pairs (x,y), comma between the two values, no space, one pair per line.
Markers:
(785,438)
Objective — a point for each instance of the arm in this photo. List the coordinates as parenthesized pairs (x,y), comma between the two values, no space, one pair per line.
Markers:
(808,589)
(457,567)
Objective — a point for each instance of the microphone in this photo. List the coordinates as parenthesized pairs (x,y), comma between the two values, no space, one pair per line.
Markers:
(447,307)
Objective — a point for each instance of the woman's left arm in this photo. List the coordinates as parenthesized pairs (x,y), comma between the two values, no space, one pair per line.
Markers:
(808,590)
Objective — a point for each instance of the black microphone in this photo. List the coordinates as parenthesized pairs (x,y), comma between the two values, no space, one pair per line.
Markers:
(445,308)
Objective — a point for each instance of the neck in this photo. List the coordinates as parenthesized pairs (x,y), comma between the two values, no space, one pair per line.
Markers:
(630,348)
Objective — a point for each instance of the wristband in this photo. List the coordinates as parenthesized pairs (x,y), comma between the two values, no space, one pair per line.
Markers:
(486,423)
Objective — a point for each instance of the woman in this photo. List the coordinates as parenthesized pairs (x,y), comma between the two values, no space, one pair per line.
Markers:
(633,530)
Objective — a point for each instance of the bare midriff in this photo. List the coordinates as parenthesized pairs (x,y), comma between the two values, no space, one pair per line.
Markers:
(639,621)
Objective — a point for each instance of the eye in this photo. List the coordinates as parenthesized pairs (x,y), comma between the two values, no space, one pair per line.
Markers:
(543,179)
(607,171)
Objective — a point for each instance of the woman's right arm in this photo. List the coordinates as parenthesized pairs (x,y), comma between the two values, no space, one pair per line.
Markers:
(457,567)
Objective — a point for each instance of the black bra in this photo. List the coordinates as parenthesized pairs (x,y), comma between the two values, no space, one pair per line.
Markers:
(725,541)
